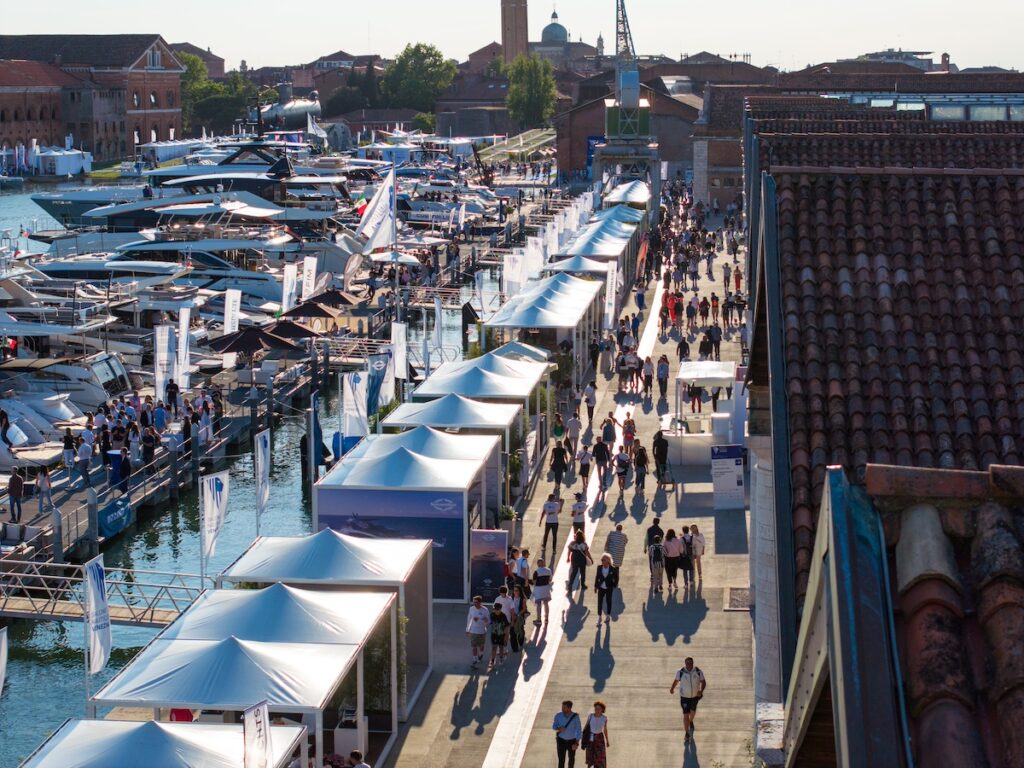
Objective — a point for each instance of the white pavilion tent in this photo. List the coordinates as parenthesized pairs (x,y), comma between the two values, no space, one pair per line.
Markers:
(231,675)
(333,560)
(488,377)
(120,744)
(518,350)
(578,265)
(635,193)
(623,213)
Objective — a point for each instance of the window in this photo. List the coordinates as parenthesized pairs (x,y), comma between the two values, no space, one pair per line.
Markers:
(170,133)
(152,99)
(170,98)
(153,58)
(3,115)
(122,126)
(135,99)
(17,115)
(988,113)
(152,134)
(97,127)
(29,115)
(945,112)
(1016,112)
(53,113)
(138,135)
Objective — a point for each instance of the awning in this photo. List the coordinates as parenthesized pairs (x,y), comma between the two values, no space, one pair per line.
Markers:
(630,193)
(489,376)
(118,744)
(454,412)
(403,470)
(580,265)
(327,557)
(708,373)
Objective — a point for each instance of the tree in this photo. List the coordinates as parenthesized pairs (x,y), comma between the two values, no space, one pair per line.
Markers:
(531,91)
(344,100)
(370,86)
(495,69)
(195,85)
(417,77)
(425,121)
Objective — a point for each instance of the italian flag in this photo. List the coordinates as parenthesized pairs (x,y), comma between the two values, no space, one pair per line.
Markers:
(361,204)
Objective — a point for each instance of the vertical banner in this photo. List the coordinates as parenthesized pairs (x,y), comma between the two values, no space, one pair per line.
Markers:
(610,290)
(181,371)
(3,658)
(400,349)
(727,477)
(356,421)
(318,432)
(256,735)
(478,280)
(487,553)
(308,276)
(162,363)
(387,388)
(97,615)
(262,459)
(291,274)
(438,324)
(213,506)
(232,311)
(378,368)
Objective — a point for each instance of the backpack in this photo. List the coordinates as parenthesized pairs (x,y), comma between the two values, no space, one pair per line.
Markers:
(657,554)
(687,545)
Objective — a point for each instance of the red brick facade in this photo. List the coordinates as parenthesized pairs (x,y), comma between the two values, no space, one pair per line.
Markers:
(30,103)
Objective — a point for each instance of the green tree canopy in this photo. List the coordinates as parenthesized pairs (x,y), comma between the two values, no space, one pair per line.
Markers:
(531,91)
(343,100)
(425,121)
(417,77)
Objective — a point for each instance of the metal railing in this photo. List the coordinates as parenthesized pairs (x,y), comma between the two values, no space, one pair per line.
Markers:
(51,591)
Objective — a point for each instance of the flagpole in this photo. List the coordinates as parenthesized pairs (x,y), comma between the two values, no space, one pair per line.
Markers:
(202,532)
(85,634)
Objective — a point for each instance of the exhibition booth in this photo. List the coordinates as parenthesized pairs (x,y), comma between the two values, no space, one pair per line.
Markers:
(691,435)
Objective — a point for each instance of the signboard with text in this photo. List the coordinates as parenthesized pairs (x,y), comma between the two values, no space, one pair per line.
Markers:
(727,477)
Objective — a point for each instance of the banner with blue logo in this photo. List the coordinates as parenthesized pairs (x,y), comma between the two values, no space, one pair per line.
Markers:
(487,553)
(97,614)
(213,507)
(378,373)
(114,517)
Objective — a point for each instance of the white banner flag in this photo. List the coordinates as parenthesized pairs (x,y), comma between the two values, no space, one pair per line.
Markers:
(262,457)
(378,222)
(610,299)
(181,372)
(291,275)
(438,324)
(399,346)
(232,311)
(387,388)
(256,735)
(354,410)
(3,658)
(462,216)
(214,507)
(97,615)
(308,276)
(163,360)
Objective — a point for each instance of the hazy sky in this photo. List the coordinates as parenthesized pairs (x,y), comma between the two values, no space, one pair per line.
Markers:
(785,33)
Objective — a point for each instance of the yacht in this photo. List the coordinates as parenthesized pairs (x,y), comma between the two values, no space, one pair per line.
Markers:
(87,381)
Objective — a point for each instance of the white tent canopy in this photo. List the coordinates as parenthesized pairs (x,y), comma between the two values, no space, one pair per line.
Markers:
(327,557)
(621,213)
(605,239)
(281,614)
(631,192)
(707,373)
(432,443)
(557,301)
(489,376)
(579,265)
(231,674)
(117,744)
(454,412)
(518,350)
(402,469)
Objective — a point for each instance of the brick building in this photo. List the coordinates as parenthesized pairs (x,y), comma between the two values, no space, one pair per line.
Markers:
(143,67)
(214,63)
(30,103)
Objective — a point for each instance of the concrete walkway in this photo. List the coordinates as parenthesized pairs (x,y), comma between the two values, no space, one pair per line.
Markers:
(503,719)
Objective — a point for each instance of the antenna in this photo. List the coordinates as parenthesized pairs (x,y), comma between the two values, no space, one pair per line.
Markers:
(624,50)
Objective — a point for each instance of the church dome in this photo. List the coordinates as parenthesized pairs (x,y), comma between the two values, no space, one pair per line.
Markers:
(554,32)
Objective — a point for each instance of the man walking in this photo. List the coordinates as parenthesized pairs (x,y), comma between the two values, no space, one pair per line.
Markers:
(15,489)
(549,518)
(698,543)
(477,623)
(691,683)
(715,334)
(568,733)
(605,581)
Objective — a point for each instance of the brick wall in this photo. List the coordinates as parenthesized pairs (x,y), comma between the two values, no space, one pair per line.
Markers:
(30,113)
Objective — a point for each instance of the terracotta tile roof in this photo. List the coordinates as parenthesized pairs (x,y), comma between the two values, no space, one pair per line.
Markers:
(34,74)
(956,554)
(902,300)
(879,150)
(94,50)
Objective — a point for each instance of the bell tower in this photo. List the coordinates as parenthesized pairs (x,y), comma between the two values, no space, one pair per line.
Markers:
(514,30)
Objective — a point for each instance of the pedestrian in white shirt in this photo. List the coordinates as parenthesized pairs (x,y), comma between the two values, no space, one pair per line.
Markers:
(507,604)
(573,429)
(579,514)
(691,683)
(477,623)
(699,545)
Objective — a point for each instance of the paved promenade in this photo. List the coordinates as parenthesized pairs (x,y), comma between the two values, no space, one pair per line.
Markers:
(503,719)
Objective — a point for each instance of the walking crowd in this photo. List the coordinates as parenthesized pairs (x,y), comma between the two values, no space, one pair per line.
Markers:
(612,448)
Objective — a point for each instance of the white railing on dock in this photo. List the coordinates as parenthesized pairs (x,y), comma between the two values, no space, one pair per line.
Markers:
(56,592)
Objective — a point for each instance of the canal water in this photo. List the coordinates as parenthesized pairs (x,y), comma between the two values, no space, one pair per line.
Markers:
(45,673)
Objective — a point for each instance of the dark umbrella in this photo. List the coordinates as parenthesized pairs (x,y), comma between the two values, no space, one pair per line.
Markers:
(251,340)
(289,329)
(335,298)
(313,309)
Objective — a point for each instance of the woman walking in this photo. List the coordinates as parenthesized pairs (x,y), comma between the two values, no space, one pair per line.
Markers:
(641,465)
(673,549)
(584,458)
(579,557)
(598,743)
(44,487)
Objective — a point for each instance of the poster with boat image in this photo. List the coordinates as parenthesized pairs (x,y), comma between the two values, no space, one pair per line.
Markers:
(398,514)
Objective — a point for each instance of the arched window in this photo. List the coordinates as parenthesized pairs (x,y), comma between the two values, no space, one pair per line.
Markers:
(28,115)
(53,113)
(138,134)
(152,134)
(152,99)
(170,132)
(17,115)
(3,115)
(170,98)
(135,99)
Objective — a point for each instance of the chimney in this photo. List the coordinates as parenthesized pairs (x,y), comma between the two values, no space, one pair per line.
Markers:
(945,62)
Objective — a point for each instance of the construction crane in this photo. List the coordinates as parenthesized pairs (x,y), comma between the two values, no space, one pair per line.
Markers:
(625,53)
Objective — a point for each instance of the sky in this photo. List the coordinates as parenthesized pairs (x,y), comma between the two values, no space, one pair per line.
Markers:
(788,34)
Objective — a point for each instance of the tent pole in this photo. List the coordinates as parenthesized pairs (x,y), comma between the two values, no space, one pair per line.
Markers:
(319,724)
(394,667)
(360,683)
